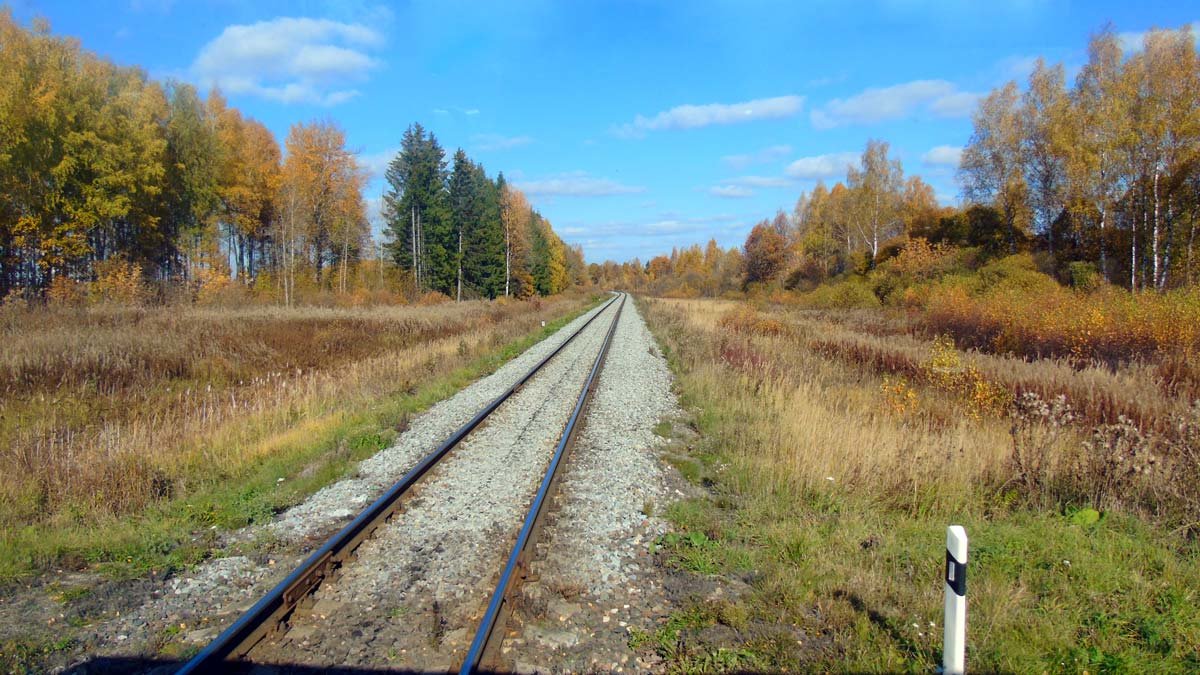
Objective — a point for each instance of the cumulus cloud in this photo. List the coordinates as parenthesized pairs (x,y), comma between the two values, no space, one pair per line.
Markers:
(731,191)
(290,60)
(696,116)
(767,155)
(488,142)
(879,104)
(377,162)
(822,166)
(1133,41)
(943,155)
(577,184)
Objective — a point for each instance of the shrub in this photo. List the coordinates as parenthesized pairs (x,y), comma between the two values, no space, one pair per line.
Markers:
(1037,426)
(1117,461)
(947,370)
(118,282)
(66,291)
(899,396)
(1084,276)
(432,298)
(850,294)
(746,320)
(1015,272)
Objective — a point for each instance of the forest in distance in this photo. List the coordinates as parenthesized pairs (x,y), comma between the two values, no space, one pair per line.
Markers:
(115,186)
(1102,179)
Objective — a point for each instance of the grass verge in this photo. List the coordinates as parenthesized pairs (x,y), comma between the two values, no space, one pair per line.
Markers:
(827,516)
(281,464)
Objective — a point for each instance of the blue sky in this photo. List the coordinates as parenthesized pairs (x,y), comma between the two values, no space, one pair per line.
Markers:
(633,126)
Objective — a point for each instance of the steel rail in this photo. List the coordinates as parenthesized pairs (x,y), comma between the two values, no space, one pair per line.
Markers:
(490,634)
(269,613)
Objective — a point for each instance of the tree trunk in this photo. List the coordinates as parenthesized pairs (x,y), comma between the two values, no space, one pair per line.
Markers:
(413,242)
(1191,242)
(507,258)
(1154,236)
(459,298)
(1133,258)
(1168,246)
(345,254)
(1103,245)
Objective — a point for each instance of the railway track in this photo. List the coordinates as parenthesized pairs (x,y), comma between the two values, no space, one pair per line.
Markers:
(263,633)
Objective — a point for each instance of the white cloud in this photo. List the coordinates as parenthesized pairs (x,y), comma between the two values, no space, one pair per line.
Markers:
(290,60)
(958,104)
(577,184)
(764,156)
(761,181)
(879,104)
(488,142)
(1132,41)
(375,215)
(377,162)
(696,116)
(943,155)
(822,166)
(1017,67)
(731,191)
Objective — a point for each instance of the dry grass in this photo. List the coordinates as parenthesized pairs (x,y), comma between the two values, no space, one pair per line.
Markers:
(818,424)
(106,410)
(916,412)
(1102,394)
(838,456)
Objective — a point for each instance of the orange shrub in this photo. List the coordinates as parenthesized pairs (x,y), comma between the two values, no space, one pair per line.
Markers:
(899,397)
(432,298)
(745,320)
(118,282)
(66,291)
(1109,325)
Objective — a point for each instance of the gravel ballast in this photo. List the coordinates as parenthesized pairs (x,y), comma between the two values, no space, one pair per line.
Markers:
(597,579)
(337,503)
(412,597)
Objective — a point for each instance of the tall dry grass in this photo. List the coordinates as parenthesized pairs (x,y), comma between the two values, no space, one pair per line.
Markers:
(909,420)
(104,410)
(839,446)
(803,422)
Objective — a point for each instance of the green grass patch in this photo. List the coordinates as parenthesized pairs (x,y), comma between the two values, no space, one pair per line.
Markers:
(182,531)
(24,656)
(663,429)
(1048,591)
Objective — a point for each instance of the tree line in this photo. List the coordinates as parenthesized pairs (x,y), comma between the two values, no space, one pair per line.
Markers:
(1101,178)
(455,231)
(1105,171)
(107,174)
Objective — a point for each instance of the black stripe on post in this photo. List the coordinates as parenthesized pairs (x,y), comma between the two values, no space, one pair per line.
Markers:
(956,575)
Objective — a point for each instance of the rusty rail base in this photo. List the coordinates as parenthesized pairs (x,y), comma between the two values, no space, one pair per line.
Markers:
(484,654)
(271,613)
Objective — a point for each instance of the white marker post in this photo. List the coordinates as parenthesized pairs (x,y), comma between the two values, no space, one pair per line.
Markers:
(954,643)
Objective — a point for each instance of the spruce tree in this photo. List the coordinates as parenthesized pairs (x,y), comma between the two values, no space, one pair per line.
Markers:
(417,214)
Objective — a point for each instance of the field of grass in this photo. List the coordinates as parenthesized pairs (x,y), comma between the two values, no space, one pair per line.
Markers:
(838,446)
(127,433)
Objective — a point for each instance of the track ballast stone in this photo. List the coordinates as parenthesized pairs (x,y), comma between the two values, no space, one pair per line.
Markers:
(597,580)
(413,596)
(195,606)
(338,503)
